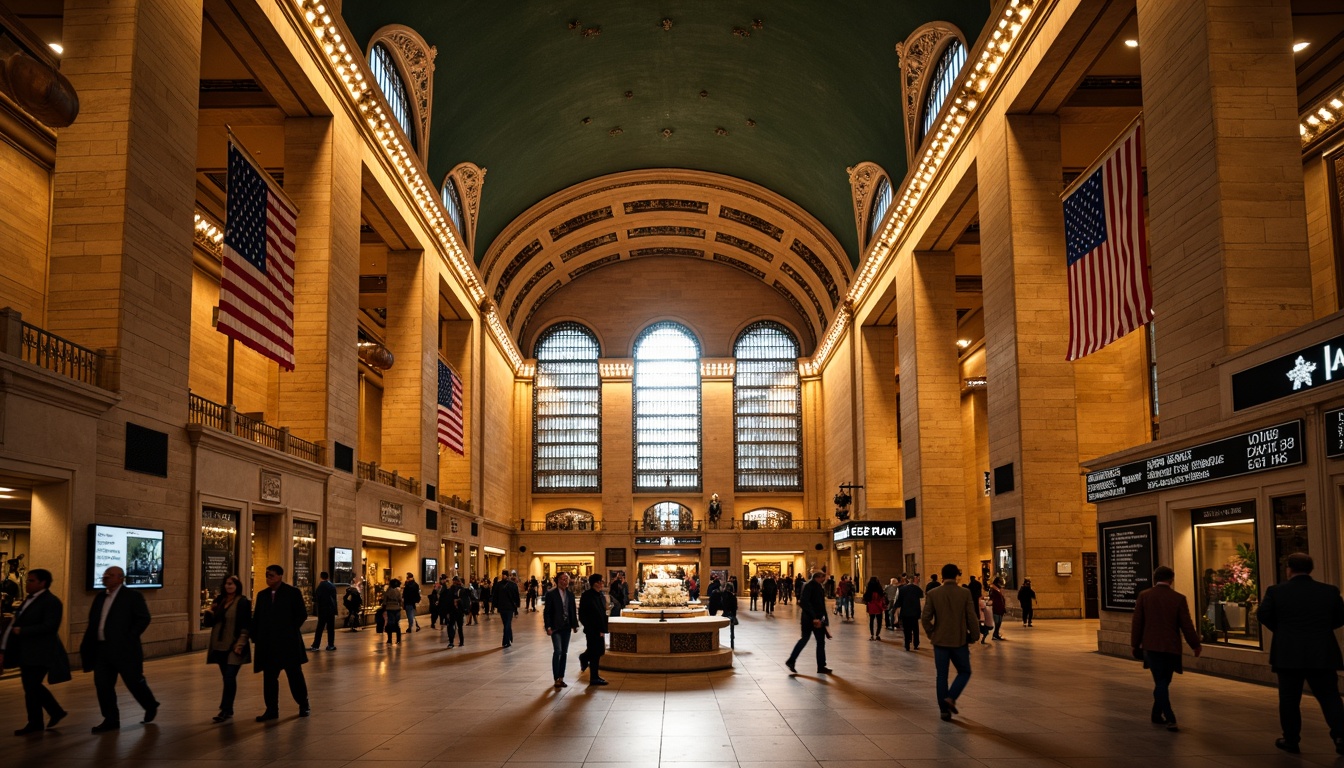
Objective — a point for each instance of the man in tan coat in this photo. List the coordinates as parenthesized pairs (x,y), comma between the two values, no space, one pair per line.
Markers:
(1161,616)
(950,622)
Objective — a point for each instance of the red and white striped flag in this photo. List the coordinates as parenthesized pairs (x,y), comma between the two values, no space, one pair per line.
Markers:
(1109,292)
(450,409)
(256,289)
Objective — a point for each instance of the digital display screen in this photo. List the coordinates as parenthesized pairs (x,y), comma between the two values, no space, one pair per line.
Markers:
(137,551)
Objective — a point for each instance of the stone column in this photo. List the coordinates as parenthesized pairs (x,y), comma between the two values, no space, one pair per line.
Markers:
(1032,403)
(931,451)
(881,451)
(1230,264)
(410,386)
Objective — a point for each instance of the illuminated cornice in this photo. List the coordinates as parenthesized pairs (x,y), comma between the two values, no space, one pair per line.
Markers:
(1321,118)
(209,234)
(968,98)
(368,102)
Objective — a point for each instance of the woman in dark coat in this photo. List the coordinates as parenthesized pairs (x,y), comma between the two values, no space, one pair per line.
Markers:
(228,618)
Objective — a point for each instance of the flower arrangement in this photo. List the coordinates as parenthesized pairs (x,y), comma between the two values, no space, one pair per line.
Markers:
(664,593)
(1237,577)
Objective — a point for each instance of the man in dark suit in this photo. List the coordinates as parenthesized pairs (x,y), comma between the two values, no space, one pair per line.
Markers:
(812,615)
(32,644)
(324,602)
(506,598)
(111,647)
(458,600)
(1303,614)
(909,610)
(593,614)
(278,614)
(560,620)
(1161,616)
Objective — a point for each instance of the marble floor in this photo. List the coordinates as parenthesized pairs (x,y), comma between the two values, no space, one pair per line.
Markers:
(1042,697)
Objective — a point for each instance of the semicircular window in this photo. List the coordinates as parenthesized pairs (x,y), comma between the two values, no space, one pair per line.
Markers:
(567,411)
(569,520)
(881,202)
(767,518)
(668,516)
(941,80)
(452,203)
(767,410)
(388,78)
(667,409)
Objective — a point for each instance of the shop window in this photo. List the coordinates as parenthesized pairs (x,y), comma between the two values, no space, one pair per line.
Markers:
(667,409)
(305,558)
(567,408)
(767,410)
(1290,531)
(219,552)
(1005,547)
(1226,559)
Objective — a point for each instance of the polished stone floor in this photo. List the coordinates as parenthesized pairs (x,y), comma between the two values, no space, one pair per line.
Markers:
(1040,698)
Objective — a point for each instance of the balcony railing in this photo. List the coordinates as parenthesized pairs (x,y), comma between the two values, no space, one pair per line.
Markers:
(369,470)
(226,418)
(47,350)
(586,526)
(816,524)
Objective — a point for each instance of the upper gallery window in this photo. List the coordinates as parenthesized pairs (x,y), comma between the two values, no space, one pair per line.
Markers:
(767,410)
(567,411)
(389,80)
(881,202)
(942,79)
(452,202)
(667,409)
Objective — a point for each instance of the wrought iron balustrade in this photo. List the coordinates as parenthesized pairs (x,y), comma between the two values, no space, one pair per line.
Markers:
(226,418)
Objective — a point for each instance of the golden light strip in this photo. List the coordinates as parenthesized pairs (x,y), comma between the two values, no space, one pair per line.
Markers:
(209,234)
(349,69)
(973,87)
(1321,118)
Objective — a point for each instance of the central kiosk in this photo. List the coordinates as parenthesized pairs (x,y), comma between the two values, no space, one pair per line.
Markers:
(665,632)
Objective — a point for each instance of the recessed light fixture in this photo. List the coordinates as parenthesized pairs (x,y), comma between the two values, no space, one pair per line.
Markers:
(6,490)
(963,343)
(1131,43)
(1300,45)
(57,47)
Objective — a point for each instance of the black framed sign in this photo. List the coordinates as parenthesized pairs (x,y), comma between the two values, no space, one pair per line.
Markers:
(1334,433)
(1307,368)
(1128,550)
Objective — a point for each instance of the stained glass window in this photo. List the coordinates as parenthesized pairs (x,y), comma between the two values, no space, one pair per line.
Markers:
(567,411)
(385,73)
(667,409)
(767,410)
(941,81)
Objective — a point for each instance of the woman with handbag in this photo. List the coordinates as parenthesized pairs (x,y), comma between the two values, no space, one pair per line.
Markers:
(228,619)
(392,606)
(876,601)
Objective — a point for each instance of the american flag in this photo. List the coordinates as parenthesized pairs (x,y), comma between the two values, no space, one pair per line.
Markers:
(256,290)
(450,409)
(1109,294)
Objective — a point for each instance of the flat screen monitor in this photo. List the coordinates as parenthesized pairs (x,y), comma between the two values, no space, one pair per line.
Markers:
(342,565)
(138,551)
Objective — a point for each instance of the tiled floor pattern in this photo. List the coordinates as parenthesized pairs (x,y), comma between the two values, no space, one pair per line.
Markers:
(1043,697)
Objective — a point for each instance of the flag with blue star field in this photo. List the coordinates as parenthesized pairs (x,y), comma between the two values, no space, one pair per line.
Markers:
(256,288)
(450,409)
(1109,292)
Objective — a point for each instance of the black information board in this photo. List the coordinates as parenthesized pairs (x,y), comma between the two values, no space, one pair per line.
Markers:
(1264,449)
(1295,372)
(1334,433)
(1128,555)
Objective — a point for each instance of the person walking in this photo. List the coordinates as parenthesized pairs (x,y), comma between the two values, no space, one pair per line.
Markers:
(728,604)
(812,618)
(754,587)
(32,642)
(474,601)
(769,594)
(507,601)
(798,583)
(1161,616)
(458,599)
(278,614)
(619,592)
(875,601)
(560,620)
(486,594)
(1026,597)
(393,602)
(951,623)
(433,599)
(593,614)
(933,584)
(111,648)
(1303,614)
(844,597)
(324,602)
(999,605)
(986,609)
(908,610)
(892,591)
(532,592)
(410,598)
(228,618)
(354,606)
(977,589)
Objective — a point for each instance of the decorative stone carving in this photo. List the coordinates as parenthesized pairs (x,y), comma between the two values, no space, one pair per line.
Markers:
(415,58)
(692,642)
(469,179)
(863,180)
(918,54)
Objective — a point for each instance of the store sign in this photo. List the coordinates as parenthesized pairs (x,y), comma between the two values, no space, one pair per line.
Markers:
(389,512)
(1264,449)
(1128,556)
(867,530)
(1295,372)
(668,541)
(1334,433)
(1245,511)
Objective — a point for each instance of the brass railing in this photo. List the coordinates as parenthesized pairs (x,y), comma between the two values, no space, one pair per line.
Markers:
(45,349)
(369,470)
(226,418)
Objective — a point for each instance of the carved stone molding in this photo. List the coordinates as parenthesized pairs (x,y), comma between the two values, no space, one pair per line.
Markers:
(469,179)
(918,54)
(415,59)
(863,179)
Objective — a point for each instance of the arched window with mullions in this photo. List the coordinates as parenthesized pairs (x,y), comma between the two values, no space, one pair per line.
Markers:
(941,81)
(767,410)
(389,80)
(668,516)
(667,409)
(452,203)
(881,202)
(567,412)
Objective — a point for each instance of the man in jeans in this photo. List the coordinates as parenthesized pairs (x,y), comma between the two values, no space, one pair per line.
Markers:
(1161,616)
(950,622)
(561,619)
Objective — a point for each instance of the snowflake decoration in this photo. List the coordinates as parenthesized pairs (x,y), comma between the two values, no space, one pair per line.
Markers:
(1301,373)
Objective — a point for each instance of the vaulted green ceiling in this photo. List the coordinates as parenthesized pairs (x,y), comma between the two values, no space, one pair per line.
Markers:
(785,93)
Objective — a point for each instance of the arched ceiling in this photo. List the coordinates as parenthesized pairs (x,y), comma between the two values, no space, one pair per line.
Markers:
(784,94)
(666,213)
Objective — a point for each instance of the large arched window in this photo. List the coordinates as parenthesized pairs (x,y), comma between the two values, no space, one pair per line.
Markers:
(767,410)
(389,80)
(569,520)
(667,409)
(878,212)
(767,518)
(941,80)
(452,202)
(567,411)
(668,516)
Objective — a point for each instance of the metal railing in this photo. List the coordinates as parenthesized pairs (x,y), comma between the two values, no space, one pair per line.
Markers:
(369,470)
(585,526)
(45,349)
(226,418)
(642,526)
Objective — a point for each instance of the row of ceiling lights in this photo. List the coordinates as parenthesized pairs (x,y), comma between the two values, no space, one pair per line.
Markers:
(1298,47)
